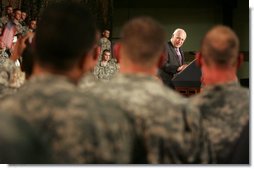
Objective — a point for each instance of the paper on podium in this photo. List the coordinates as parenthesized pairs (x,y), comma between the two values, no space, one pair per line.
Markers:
(189,77)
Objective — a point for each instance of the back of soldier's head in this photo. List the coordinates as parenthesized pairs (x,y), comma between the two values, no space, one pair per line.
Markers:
(220,46)
(65,33)
(143,39)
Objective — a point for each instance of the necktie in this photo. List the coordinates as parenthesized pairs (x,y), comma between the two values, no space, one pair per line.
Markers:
(179,55)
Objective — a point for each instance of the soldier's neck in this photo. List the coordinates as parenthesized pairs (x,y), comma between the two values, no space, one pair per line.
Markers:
(74,75)
(133,69)
(212,76)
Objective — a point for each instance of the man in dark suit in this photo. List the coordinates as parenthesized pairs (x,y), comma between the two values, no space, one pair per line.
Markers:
(174,61)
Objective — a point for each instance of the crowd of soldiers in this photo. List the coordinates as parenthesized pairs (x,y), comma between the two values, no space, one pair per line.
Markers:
(12,77)
(64,113)
(20,19)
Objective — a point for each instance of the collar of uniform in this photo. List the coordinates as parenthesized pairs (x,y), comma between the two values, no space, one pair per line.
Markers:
(52,79)
(136,76)
(223,85)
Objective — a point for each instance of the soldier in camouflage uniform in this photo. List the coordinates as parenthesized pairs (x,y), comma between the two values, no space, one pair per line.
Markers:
(167,127)
(11,77)
(224,104)
(7,17)
(16,20)
(77,127)
(104,41)
(107,67)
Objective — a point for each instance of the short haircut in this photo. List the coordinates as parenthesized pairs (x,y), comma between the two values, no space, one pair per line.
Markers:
(220,45)
(106,50)
(8,6)
(65,33)
(143,39)
(17,9)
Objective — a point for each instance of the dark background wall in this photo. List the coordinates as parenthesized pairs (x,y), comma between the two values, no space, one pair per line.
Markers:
(195,16)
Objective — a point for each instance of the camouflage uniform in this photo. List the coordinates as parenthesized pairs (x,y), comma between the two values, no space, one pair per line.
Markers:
(165,124)
(11,76)
(4,20)
(88,80)
(79,128)
(19,27)
(106,72)
(224,111)
(105,44)
(20,143)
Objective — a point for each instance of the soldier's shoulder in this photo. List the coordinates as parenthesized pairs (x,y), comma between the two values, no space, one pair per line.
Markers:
(20,142)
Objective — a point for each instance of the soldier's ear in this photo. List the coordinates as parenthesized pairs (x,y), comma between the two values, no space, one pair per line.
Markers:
(240,59)
(90,59)
(198,58)
(163,58)
(96,52)
(116,51)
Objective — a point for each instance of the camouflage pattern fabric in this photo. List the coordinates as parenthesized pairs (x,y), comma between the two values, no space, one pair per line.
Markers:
(224,112)
(106,72)
(105,44)
(88,80)
(20,143)
(3,21)
(19,28)
(167,127)
(78,128)
(11,76)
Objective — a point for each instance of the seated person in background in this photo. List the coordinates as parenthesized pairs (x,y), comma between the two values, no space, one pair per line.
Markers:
(104,40)
(167,127)
(8,16)
(23,19)
(11,75)
(107,67)
(16,20)
(31,26)
(223,103)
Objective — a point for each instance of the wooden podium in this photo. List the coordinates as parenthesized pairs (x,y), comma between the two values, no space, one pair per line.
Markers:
(187,82)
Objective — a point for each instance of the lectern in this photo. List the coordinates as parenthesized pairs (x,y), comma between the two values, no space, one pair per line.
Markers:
(187,82)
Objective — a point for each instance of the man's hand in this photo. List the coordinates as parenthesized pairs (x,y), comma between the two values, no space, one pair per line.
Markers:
(181,68)
(20,46)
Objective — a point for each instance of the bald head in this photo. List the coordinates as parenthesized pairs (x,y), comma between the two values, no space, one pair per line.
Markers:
(143,40)
(220,46)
